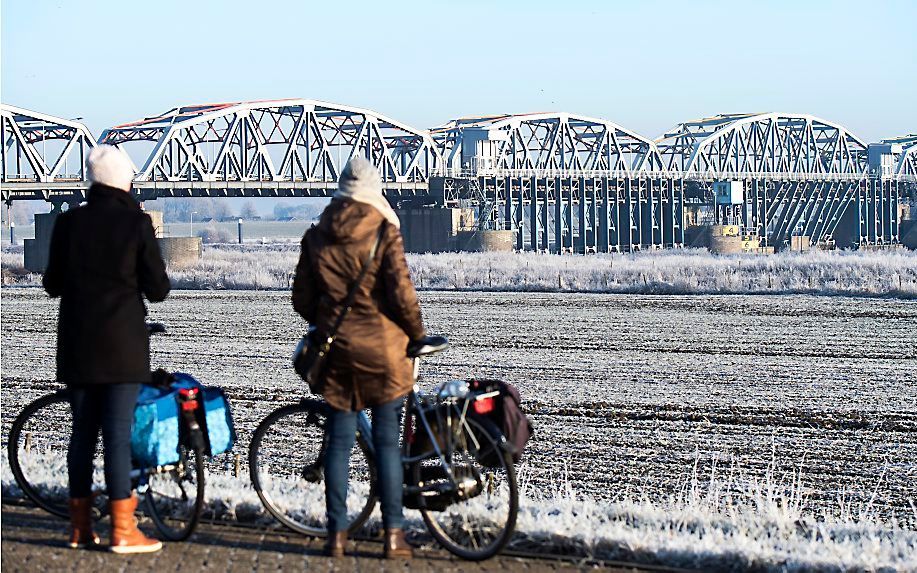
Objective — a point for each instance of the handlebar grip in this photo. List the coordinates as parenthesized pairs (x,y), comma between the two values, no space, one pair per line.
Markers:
(427,345)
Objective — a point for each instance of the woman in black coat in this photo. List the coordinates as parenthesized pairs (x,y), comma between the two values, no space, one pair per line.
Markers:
(104,258)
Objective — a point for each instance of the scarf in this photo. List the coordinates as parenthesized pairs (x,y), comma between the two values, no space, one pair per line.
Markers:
(360,182)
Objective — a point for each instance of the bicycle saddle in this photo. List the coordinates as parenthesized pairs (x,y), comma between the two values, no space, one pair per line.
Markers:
(426,346)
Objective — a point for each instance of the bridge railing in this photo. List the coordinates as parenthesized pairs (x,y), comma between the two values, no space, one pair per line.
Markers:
(465,173)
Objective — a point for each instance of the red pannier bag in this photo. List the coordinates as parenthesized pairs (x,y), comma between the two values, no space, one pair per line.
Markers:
(505,411)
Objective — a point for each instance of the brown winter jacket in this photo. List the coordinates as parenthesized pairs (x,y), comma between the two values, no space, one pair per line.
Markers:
(368,364)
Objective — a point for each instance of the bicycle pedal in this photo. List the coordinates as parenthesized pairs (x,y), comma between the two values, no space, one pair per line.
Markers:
(433,473)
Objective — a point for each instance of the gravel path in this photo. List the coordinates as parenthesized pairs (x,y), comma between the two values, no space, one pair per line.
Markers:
(34,541)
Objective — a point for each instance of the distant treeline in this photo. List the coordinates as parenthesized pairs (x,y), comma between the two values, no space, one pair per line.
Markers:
(180,210)
(209,208)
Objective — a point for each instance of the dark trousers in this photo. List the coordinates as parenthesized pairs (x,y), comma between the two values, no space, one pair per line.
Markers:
(109,407)
(342,428)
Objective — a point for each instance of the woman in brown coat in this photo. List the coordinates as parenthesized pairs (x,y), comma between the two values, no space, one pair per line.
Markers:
(368,366)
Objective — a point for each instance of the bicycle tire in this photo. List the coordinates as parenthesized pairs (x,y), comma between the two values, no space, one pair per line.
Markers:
(314,412)
(484,431)
(53,505)
(181,524)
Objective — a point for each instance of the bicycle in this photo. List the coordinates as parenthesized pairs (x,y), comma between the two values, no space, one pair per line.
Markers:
(457,465)
(37,452)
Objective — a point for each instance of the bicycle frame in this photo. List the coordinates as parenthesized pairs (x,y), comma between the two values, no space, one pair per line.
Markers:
(448,455)
(140,477)
(415,405)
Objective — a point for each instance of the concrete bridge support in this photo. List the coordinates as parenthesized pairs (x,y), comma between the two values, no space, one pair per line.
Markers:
(433,229)
(36,250)
(175,250)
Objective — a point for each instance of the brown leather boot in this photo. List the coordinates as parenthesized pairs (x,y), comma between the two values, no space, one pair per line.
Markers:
(125,537)
(336,544)
(81,533)
(396,546)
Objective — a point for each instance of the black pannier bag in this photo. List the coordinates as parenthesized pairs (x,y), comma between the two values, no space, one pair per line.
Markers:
(505,412)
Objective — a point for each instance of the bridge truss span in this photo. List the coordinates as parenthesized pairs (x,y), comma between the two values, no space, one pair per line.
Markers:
(559,182)
(904,151)
(539,143)
(278,147)
(42,154)
(797,146)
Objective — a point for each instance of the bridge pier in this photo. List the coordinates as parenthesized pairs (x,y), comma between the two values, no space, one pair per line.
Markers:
(36,250)
(433,229)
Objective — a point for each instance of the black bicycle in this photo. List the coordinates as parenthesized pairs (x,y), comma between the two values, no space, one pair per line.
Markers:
(458,467)
(173,493)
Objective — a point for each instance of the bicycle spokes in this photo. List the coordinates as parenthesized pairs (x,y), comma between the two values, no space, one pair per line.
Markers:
(287,469)
(469,507)
(175,495)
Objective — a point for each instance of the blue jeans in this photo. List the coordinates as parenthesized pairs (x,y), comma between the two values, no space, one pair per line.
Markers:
(111,408)
(342,428)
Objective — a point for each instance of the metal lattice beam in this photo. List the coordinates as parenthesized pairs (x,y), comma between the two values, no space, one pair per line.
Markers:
(543,144)
(906,166)
(277,142)
(42,149)
(769,145)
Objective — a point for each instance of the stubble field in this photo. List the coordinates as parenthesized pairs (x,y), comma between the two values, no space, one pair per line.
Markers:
(633,397)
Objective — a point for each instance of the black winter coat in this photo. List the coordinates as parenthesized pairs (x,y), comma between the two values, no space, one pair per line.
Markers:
(104,257)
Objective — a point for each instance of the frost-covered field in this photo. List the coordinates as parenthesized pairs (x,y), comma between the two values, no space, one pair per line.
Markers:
(801,409)
(686,271)
(732,524)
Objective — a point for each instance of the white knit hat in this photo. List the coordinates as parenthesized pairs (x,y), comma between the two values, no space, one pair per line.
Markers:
(108,165)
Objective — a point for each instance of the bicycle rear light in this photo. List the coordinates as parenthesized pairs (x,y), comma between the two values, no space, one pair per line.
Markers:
(484,405)
(188,398)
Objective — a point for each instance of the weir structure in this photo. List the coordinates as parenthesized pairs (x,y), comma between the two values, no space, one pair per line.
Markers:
(555,182)
(789,175)
(562,182)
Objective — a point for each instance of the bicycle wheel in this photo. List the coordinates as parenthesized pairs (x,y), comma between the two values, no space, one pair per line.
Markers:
(37,451)
(175,494)
(285,465)
(475,519)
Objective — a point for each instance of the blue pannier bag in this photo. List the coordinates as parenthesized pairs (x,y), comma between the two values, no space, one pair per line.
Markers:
(155,435)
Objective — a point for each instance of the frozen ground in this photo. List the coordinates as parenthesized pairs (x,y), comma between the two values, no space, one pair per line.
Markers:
(802,409)
(684,271)
(729,524)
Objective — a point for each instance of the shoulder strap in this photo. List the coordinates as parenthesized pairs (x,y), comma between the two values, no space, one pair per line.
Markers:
(352,293)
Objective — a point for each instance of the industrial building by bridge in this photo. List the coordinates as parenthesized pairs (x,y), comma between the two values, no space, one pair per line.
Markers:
(553,182)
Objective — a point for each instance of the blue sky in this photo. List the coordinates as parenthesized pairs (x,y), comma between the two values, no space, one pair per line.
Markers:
(646,65)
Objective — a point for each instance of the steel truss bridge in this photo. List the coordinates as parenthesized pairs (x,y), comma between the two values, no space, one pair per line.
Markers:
(563,182)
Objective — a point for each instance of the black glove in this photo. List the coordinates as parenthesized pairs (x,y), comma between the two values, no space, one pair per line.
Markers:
(427,345)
